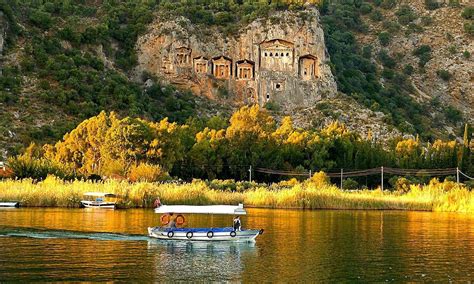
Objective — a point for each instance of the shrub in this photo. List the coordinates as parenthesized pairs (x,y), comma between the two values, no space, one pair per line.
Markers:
(470,184)
(386,60)
(376,16)
(466,54)
(408,69)
(405,15)
(391,27)
(26,166)
(350,184)
(384,38)
(40,19)
(367,51)
(454,3)
(147,172)
(431,4)
(389,4)
(271,105)
(413,28)
(469,28)
(423,53)
(452,49)
(365,8)
(426,20)
(468,13)
(320,179)
(444,74)
(377,2)
(401,185)
(452,114)
(450,178)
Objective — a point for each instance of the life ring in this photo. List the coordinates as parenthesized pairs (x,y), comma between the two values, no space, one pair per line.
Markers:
(189,235)
(165,219)
(210,234)
(170,234)
(233,234)
(180,220)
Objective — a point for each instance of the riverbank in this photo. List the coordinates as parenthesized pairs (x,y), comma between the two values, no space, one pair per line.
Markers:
(53,192)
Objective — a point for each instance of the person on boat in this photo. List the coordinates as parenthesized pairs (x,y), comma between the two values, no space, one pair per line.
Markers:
(172,222)
(237,224)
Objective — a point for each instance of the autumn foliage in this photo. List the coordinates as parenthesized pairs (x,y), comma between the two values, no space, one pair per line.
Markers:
(108,146)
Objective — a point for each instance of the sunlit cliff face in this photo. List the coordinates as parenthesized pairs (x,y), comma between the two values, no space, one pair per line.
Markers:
(282,63)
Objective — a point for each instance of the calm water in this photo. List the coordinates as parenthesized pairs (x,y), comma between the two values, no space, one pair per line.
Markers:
(78,244)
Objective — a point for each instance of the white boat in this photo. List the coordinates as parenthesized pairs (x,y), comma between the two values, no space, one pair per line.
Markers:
(202,234)
(14,204)
(99,200)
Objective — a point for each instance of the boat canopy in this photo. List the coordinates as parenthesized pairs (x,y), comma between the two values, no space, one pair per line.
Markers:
(202,209)
(100,194)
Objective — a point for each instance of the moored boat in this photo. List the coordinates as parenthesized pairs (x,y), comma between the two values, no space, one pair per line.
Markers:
(166,232)
(14,204)
(99,200)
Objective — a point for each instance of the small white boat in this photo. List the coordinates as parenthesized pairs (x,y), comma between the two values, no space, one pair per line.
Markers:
(14,204)
(99,200)
(202,234)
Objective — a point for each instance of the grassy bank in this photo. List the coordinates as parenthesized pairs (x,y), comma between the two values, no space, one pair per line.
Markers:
(53,192)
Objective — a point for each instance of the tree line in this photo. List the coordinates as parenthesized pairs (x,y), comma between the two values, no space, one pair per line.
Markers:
(108,146)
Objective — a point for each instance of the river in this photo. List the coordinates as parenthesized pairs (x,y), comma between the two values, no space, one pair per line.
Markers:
(297,246)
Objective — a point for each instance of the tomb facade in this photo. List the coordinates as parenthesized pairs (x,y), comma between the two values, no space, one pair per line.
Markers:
(276,55)
(245,70)
(222,67)
(308,68)
(201,64)
(183,56)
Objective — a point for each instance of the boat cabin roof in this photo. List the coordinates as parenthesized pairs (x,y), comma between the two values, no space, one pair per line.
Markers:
(202,209)
(100,194)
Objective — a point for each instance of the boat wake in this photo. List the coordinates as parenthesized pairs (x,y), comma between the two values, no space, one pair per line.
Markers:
(61,234)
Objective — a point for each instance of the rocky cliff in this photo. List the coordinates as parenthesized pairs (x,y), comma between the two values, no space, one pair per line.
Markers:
(281,60)
(447,77)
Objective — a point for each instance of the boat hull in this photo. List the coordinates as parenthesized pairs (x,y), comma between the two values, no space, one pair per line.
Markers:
(101,205)
(203,234)
(10,204)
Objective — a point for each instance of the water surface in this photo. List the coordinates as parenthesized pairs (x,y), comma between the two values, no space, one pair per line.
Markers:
(297,246)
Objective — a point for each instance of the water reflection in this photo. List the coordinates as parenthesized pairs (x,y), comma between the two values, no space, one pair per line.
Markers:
(297,246)
(206,261)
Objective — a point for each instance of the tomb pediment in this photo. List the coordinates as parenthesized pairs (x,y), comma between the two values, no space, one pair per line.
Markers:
(183,49)
(221,60)
(277,44)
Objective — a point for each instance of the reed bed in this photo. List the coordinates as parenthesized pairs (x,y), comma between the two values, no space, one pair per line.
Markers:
(54,192)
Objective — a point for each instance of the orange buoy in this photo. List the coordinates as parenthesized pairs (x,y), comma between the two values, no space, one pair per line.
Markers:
(180,220)
(165,219)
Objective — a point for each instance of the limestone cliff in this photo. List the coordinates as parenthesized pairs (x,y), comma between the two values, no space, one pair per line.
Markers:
(282,60)
(442,30)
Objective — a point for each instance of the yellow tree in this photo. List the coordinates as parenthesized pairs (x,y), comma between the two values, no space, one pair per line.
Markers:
(408,153)
(249,139)
(127,142)
(82,147)
(167,146)
(206,154)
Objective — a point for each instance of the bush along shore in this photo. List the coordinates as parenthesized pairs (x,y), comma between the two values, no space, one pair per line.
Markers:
(315,193)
